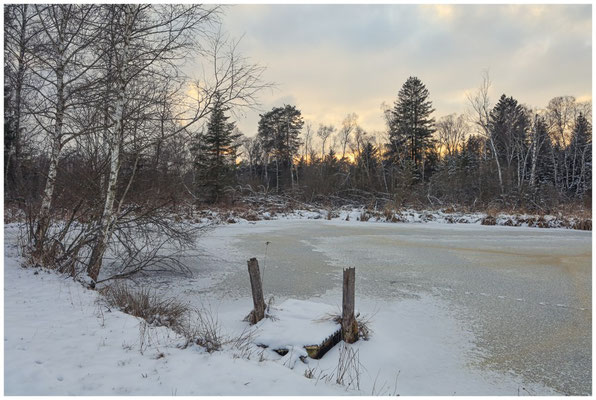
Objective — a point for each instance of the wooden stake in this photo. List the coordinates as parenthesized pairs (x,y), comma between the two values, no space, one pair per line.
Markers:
(349,326)
(256,285)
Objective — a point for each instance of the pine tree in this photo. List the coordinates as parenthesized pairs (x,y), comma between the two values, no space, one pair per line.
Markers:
(217,155)
(279,131)
(411,125)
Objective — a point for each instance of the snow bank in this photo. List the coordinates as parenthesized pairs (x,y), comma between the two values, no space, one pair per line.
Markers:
(296,323)
(59,341)
(399,216)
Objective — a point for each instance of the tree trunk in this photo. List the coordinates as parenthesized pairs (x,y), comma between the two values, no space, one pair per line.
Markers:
(18,100)
(106,222)
(534,162)
(256,285)
(496,155)
(349,326)
(43,219)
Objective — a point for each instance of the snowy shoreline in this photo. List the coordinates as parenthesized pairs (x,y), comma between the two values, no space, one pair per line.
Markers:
(404,216)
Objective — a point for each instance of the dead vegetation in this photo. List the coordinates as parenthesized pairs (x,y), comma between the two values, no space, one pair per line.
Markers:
(201,327)
(145,303)
(489,220)
(196,325)
(347,371)
(364,322)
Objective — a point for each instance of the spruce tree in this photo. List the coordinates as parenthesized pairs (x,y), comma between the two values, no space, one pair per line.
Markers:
(411,125)
(217,155)
(508,124)
(542,140)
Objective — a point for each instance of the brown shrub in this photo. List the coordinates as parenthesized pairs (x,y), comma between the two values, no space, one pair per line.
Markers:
(250,215)
(583,225)
(364,216)
(489,220)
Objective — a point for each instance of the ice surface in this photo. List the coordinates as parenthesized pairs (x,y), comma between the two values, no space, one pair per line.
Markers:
(503,283)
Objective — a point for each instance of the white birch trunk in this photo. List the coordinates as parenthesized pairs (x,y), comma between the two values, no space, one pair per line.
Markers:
(492,144)
(43,218)
(107,220)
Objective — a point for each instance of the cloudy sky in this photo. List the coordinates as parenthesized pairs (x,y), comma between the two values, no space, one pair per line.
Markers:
(331,60)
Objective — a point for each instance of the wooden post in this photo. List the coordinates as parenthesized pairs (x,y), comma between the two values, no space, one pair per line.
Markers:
(258,313)
(349,326)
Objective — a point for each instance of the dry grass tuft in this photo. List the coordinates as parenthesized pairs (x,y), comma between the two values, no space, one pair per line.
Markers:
(347,372)
(144,303)
(364,322)
(202,328)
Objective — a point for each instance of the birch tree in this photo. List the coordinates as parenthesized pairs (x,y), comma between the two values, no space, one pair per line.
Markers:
(61,64)
(480,110)
(348,126)
(19,33)
(146,43)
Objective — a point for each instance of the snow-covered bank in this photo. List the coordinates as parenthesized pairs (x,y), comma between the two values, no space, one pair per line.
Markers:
(396,216)
(59,341)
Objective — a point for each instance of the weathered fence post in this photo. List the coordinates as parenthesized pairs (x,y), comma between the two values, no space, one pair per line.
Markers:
(349,326)
(258,313)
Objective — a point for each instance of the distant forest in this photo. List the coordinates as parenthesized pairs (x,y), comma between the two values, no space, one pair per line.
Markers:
(97,111)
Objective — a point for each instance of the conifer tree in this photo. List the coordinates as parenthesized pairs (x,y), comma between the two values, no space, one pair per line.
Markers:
(217,157)
(541,149)
(508,126)
(581,155)
(411,125)
(279,131)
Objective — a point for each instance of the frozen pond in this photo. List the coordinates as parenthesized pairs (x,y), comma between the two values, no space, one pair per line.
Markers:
(525,293)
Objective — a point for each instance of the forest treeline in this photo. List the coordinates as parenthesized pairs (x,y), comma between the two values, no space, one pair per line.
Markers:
(507,156)
(103,129)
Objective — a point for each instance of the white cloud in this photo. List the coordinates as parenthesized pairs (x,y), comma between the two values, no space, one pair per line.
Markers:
(335,59)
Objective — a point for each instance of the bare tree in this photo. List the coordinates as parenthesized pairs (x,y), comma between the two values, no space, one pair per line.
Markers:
(149,42)
(62,64)
(451,133)
(18,36)
(561,114)
(480,111)
(324,132)
(307,144)
(347,127)
(538,140)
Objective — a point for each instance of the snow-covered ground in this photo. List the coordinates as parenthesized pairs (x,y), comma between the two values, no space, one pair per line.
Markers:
(423,286)
(59,340)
